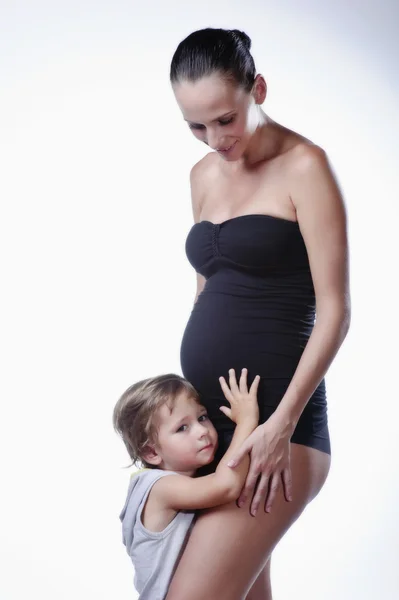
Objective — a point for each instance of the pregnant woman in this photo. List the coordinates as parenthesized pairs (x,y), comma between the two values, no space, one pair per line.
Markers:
(269,246)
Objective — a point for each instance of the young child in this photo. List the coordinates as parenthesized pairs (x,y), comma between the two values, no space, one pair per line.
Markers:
(166,429)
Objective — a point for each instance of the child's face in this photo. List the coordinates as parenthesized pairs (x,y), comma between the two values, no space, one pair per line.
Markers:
(187,439)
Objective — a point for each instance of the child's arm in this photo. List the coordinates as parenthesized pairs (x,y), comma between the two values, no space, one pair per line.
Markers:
(180,492)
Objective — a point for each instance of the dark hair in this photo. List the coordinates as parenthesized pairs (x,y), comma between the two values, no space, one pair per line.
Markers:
(134,415)
(207,51)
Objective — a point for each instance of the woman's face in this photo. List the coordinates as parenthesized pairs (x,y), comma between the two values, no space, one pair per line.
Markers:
(219,113)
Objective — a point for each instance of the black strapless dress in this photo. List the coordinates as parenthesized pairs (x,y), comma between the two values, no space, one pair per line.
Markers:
(257,311)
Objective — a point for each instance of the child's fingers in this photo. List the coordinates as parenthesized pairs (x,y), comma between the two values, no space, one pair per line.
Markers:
(255,385)
(226,411)
(243,381)
(226,390)
(233,381)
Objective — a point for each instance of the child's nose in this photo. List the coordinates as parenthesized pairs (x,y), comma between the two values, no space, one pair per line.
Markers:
(203,429)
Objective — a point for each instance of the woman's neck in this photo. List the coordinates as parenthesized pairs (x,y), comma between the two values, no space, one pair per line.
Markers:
(266,143)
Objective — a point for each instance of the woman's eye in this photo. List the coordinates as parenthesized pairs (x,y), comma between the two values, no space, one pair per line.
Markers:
(197,126)
(227,122)
(181,428)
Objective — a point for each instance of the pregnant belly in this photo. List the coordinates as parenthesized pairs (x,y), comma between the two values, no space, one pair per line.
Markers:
(264,335)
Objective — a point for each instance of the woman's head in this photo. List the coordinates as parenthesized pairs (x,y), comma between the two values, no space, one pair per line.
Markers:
(209,51)
(214,79)
(163,424)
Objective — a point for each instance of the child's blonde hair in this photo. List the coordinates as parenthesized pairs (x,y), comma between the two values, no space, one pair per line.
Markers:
(134,413)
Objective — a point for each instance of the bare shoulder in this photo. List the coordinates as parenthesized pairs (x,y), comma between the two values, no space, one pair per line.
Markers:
(163,483)
(311,177)
(203,166)
(306,158)
(164,487)
(314,190)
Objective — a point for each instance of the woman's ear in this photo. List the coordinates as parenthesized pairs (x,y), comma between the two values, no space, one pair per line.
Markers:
(151,456)
(259,90)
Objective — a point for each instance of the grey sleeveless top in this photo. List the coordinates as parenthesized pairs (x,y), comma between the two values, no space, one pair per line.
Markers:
(154,554)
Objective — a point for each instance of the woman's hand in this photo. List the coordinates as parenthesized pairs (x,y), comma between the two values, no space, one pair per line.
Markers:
(269,449)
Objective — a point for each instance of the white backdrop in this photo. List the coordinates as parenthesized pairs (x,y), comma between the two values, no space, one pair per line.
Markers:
(96,288)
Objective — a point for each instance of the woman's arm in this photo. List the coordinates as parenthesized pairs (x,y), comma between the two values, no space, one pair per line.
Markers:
(322,220)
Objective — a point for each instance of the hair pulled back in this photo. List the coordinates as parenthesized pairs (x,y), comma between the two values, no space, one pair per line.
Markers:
(208,51)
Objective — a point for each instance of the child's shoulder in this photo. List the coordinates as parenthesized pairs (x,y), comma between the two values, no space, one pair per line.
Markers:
(144,478)
(151,478)
(168,485)
(147,472)
(156,513)
(140,472)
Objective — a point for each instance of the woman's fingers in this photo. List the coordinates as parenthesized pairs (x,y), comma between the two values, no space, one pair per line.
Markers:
(272,491)
(239,455)
(260,493)
(287,483)
(249,487)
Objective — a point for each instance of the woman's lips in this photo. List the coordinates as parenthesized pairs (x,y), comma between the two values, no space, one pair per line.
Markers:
(228,149)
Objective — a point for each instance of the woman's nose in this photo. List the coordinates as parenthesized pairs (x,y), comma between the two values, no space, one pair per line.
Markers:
(213,140)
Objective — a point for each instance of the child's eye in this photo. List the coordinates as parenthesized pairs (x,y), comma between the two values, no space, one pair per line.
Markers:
(203,418)
(194,126)
(181,428)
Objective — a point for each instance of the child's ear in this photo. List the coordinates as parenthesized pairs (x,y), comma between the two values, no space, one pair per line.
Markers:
(151,456)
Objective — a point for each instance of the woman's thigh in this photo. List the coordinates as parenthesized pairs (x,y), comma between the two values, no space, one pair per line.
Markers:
(228,548)
(261,589)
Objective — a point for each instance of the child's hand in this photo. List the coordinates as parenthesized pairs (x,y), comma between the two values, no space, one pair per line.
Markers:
(243,404)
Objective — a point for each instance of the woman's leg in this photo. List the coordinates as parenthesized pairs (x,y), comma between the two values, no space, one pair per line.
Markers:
(262,588)
(228,548)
